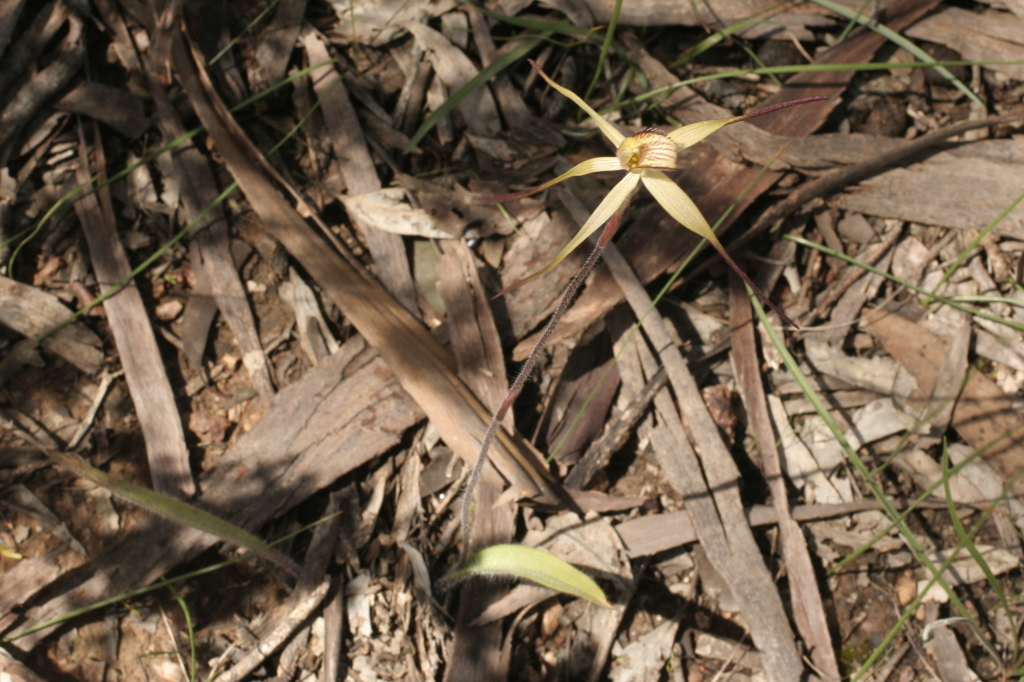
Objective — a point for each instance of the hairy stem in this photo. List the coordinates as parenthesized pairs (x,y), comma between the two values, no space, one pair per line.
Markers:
(467,514)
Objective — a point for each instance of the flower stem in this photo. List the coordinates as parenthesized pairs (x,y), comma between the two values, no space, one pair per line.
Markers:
(468,505)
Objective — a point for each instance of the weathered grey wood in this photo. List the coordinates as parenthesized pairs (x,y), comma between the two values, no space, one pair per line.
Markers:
(647,535)
(836,180)
(33,312)
(44,84)
(388,250)
(963,187)
(31,43)
(805,593)
(117,107)
(724,13)
(710,485)
(992,36)
(345,411)
(220,277)
(136,346)
(474,335)
(423,366)
(275,48)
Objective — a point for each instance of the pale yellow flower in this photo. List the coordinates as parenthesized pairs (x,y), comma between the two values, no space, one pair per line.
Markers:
(644,156)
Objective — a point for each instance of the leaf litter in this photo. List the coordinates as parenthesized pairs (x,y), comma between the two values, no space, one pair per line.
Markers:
(298,401)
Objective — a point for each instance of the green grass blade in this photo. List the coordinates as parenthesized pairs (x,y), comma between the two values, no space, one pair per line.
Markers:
(495,67)
(164,582)
(966,541)
(187,612)
(981,298)
(962,256)
(563,27)
(928,492)
(718,36)
(903,42)
(103,603)
(757,60)
(804,68)
(870,268)
(608,35)
(234,41)
(812,395)
(72,195)
(911,608)
(853,21)
(144,265)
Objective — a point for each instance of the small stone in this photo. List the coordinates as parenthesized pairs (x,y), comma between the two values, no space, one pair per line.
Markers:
(168,310)
(862,341)
(855,228)
(230,362)
(906,587)
(134,240)
(909,260)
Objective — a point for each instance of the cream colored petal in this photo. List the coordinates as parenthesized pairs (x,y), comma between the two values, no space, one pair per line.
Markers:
(599,164)
(678,205)
(596,165)
(611,203)
(682,208)
(687,136)
(610,131)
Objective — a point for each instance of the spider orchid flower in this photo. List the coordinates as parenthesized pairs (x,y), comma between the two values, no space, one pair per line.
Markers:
(645,156)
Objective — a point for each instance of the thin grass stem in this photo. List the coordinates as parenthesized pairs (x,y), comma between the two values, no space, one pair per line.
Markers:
(156,255)
(962,256)
(870,268)
(853,21)
(958,525)
(911,608)
(603,54)
(803,68)
(812,395)
(903,42)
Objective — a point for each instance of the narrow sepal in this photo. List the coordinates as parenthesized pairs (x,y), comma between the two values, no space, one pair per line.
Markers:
(781,105)
(610,131)
(608,206)
(678,205)
(600,164)
(689,135)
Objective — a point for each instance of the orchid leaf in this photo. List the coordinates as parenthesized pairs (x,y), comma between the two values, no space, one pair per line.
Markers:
(535,565)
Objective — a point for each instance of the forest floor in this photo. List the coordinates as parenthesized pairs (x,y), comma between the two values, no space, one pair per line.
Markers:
(247,262)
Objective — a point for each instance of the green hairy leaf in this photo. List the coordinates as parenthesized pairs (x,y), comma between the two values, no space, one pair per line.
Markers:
(535,565)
